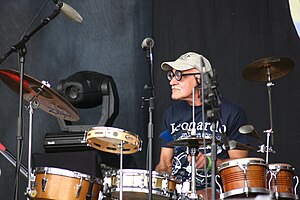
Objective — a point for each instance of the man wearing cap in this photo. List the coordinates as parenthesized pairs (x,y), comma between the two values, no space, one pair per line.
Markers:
(184,76)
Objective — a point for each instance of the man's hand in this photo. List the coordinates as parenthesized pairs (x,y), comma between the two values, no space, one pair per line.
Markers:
(201,160)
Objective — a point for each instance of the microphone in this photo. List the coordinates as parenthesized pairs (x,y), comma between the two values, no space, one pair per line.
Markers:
(68,11)
(232,144)
(210,83)
(147,43)
(206,67)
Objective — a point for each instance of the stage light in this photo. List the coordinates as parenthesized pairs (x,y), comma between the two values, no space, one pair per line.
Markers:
(89,89)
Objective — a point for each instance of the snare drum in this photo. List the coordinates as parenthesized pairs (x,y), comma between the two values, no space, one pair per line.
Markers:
(281,180)
(135,185)
(59,184)
(243,177)
(109,139)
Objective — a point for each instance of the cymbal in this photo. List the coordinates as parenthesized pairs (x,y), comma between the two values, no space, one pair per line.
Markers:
(190,142)
(258,70)
(195,142)
(48,99)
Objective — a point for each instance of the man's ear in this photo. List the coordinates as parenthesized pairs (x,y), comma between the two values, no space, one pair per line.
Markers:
(198,79)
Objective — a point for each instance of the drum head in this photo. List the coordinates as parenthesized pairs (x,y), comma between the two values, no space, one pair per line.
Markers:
(281,166)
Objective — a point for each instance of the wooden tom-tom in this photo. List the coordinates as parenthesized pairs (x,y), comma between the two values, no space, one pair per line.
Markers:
(54,183)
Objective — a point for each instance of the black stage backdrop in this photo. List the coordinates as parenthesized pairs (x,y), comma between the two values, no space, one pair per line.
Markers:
(233,34)
(108,41)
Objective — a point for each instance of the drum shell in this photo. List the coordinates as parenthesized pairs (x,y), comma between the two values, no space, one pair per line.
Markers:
(135,184)
(233,179)
(284,178)
(63,184)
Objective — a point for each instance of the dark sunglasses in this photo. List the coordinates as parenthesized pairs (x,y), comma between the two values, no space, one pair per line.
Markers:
(178,75)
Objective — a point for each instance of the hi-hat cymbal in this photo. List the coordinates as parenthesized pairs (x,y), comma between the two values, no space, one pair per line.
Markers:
(277,67)
(47,99)
(190,142)
(196,142)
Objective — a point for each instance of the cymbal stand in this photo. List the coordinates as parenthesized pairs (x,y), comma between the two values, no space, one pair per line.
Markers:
(193,151)
(33,104)
(270,140)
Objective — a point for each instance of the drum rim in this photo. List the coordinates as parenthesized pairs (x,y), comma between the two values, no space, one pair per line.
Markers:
(282,166)
(235,162)
(114,129)
(65,172)
(243,191)
(138,189)
(134,172)
(133,142)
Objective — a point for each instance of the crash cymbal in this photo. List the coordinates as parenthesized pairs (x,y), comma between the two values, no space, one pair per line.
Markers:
(190,142)
(258,70)
(47,99)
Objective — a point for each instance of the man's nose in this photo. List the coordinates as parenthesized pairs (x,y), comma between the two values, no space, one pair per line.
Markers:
(173,81)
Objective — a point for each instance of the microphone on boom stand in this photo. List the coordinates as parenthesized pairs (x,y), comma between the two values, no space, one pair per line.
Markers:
(147,45)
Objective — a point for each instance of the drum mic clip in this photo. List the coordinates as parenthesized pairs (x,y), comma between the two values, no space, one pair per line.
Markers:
(263,149)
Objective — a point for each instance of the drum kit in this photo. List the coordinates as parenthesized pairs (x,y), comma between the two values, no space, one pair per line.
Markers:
(238,178)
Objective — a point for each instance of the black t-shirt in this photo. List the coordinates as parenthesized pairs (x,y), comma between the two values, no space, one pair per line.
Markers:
(178,122)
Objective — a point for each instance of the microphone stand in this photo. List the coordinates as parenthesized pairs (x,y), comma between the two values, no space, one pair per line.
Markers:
(151,101)
(20,47)
(213,114)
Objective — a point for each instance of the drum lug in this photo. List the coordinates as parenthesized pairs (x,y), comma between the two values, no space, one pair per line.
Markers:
(296,185)
(79,186)
(44,184)
(106,189)
(219,185)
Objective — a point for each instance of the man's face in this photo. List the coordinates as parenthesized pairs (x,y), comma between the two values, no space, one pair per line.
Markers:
(183,89)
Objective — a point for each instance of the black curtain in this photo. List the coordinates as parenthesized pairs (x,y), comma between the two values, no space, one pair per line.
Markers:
(232,34)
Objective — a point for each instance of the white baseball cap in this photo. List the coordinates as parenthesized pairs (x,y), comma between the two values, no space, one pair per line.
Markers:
(187,61)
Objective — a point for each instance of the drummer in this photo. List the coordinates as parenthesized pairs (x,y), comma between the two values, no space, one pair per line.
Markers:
(183,76)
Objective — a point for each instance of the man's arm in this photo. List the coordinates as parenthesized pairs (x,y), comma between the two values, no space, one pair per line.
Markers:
(233,154)
(165,161)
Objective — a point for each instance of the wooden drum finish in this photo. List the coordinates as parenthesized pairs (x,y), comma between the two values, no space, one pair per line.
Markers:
(243,176)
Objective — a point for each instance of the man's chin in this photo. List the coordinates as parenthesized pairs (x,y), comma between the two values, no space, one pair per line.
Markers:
(174,97)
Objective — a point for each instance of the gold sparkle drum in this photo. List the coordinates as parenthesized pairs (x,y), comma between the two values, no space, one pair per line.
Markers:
(135,185)
(54,183)
(243,177)
(281,177)
(109,139)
